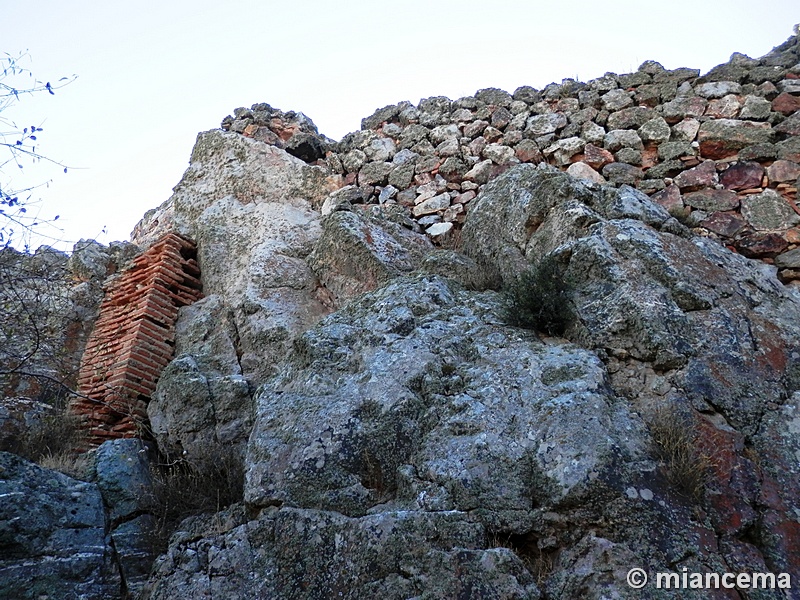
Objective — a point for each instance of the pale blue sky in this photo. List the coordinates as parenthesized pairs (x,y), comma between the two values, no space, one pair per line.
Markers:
(151,75)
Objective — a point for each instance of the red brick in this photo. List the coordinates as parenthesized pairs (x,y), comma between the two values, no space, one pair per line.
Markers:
(130,343)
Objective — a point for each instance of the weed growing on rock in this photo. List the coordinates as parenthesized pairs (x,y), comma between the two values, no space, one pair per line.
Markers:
(538,299)
(540,563)
(675,442)
(187,487)
(52,443)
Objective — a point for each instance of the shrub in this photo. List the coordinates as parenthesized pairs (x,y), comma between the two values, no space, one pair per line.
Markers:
(676,444)
(538,299)
(183,488)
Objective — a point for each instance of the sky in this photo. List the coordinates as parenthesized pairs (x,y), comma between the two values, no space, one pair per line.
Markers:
(151,75)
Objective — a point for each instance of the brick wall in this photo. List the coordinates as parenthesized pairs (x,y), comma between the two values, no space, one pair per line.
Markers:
(133,338)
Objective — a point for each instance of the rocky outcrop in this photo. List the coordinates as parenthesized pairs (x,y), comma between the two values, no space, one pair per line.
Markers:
(420,400)
(680,321)
(410,403)
(453,374)
(254,212)
(295,553)
(122,473)
(290,131)
(251,209)
(276,265)
(401,414)
(52,535)
(202,398)
(77,540)
(360,250)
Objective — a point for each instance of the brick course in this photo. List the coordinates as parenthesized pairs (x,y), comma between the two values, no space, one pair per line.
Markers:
(133,338)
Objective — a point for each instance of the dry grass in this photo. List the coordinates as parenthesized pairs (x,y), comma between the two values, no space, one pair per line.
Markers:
(53,442)
(76,465)
(540,563)
(184,488)
(675,441)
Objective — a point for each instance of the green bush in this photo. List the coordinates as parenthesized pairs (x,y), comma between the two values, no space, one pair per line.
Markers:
(538,299)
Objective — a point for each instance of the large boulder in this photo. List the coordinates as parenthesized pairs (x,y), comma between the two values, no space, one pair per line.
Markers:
(122,474)
(655,430)
(271,268)
(406,396)
(361,250)
(252,209)
(202,397)
(440,437)
(52,536)
(296,553)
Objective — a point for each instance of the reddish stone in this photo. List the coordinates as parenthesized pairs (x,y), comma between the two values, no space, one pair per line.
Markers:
(723,108)
(742,175)
(711,200)
(649,156)
(726,224)
(422,178)
(761,245)
(464,198)
(733,478)
(786,104)
(780,535)
(285,131)
(701,176)
(669,198)
(787,275)
(498,170)
(528,151)
(783,170)
(721,138)
(596,157)
(742,557)
(767,90)
(690,161)
(791,126)
(792,235)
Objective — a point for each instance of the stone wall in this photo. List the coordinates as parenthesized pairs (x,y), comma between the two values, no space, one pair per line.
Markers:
(721,152)
(133,338)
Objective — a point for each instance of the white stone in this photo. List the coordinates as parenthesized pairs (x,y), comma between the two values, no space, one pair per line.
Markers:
(432,205)
(717,89)
(583,171)
(439,229)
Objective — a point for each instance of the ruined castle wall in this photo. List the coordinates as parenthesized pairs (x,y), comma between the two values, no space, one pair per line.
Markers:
(720,151)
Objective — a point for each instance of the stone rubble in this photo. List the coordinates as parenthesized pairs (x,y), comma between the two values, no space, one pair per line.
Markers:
(649,129)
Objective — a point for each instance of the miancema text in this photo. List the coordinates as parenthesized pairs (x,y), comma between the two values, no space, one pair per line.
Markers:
(744,581)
